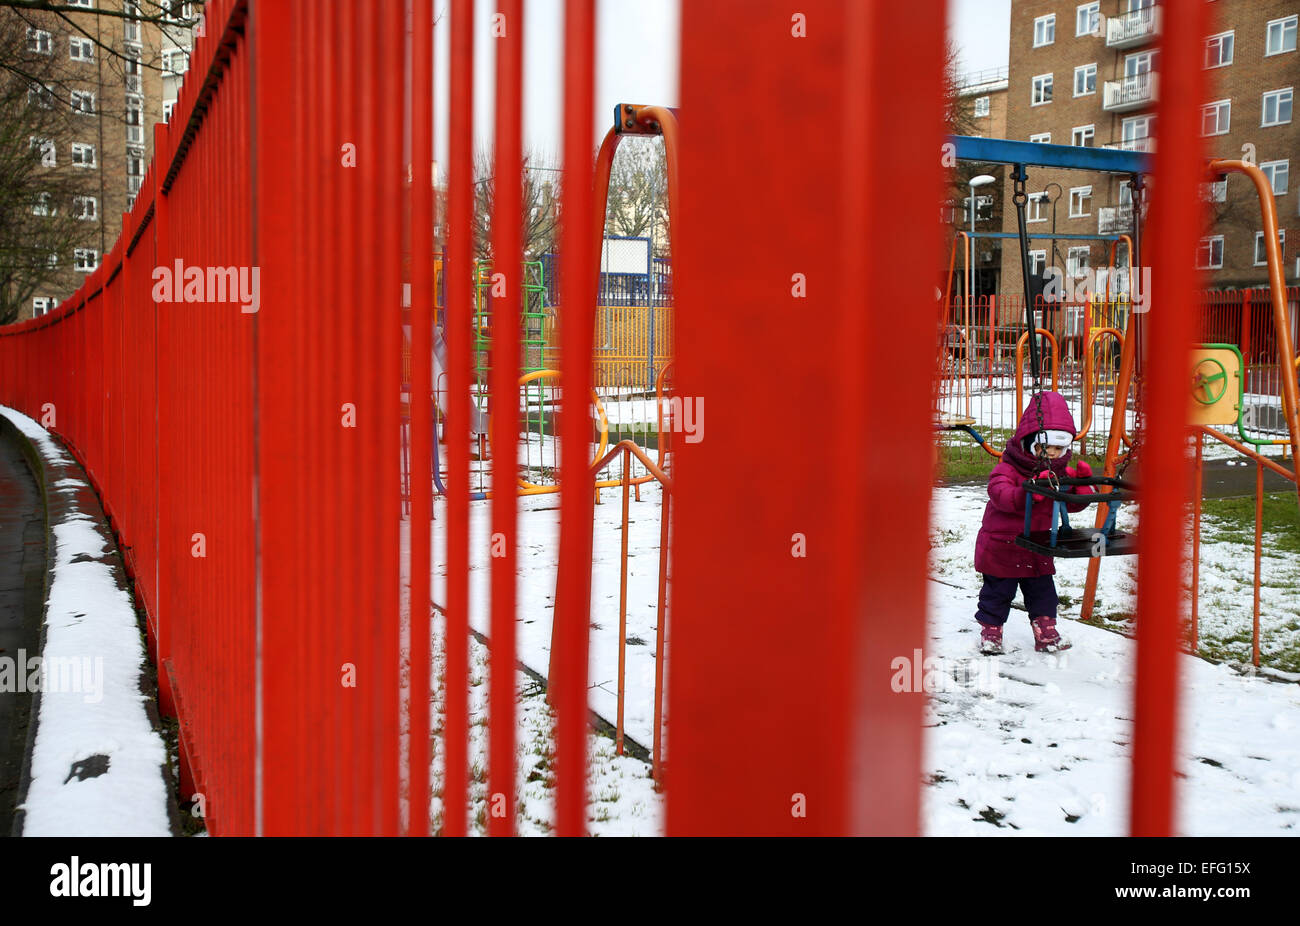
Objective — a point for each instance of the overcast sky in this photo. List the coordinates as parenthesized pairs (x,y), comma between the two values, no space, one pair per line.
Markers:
(643,70)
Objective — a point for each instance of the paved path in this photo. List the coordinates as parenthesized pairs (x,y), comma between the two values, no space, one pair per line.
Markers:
(22,597)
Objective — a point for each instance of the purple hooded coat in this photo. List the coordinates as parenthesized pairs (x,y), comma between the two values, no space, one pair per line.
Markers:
(996,552)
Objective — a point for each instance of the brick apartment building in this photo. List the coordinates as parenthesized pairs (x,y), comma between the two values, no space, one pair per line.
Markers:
(983,96)
(1089,74)
(120,75)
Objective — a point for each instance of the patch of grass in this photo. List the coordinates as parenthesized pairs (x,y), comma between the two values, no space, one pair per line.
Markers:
(1233,520)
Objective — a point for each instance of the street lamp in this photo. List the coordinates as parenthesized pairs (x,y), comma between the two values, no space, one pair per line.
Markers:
(981,180)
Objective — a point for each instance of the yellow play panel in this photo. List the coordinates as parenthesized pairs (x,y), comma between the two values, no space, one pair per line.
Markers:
(1215,382)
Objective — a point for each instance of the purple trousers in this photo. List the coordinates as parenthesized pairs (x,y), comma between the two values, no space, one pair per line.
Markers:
(997,594)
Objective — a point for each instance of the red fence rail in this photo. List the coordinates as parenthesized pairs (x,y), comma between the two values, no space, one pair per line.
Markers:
(249,460)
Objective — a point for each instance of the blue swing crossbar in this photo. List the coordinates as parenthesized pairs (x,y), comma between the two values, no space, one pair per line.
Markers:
(1032,154)
(1062,539)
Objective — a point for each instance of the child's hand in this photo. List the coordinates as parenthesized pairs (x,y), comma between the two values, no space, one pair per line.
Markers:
(1045,474)
(1082,470)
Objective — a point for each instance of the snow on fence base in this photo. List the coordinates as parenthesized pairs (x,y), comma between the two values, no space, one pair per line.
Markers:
(97,764)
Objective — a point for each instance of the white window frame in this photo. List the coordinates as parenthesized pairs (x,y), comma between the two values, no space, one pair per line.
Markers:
(81,49)
(134,119)
(1072,256)
(1041,85)
(77,99)
(1205,253)
(1094,16)
(981,107)
(168,107)
(85,260)
(49,150)
(1137,58)
(1223,125)
(43,40)
(1259,241)
(42,95)
(1285,24)
(1289,93)
(1041,138)
(41,205)
(43,304)
(1048,24)
(80,149)
(1209,42)
(1083,195)
(1085,71)
(1087,132)
(84,4)
(1271,170)
(1037,262)
(1034,208)
(79,207)
(1144,120)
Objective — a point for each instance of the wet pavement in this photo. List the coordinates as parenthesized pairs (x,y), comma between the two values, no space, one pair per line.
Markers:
(22,597)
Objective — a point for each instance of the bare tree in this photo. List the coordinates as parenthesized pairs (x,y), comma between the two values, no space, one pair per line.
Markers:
(638,192)
(540,194)
(43,215)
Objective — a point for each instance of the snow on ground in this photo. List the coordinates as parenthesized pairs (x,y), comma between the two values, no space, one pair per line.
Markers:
(1026,743)
(97,763)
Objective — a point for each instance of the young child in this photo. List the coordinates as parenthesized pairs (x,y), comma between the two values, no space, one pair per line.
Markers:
(1004,564)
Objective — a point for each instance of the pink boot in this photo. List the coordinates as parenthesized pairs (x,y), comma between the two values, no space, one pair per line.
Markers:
(1046,637)
(990,639)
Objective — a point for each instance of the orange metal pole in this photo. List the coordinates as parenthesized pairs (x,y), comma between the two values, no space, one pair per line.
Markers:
(661,652)
(1196,544)
(622,609)
(1259,540)
(1247,451)
(1020,356)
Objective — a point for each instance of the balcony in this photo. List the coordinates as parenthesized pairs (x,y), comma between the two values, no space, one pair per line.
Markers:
(1131,29)
(1145,145)
(1119,96)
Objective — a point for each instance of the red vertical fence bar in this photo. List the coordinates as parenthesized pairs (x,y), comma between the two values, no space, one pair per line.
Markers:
(578,295)
(1172,240)
(421,414)
(460,295)
(507,308)
(824,604)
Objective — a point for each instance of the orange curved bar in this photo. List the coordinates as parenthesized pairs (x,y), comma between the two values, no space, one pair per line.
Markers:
(1277,289)
(1020,357)
(1088,343)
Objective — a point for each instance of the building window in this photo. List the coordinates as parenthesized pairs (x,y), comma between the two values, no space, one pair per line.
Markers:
(85,259)
(1042,138)
(1085,79)
(84,4)
(1216,192)
(1080,201)
(131,30)
(83,155)
(1216,117)
(1037,262)
(81,49)
(1209,255)
(1087,19)
(131,67)
(1034,208)
(1278,173)
(169,106)
(40,95)
(1281,36)
(85,207)
(41,205)
(1076,261)
(1261,255)
(38,41)
(1136,128)
(1144,62)
(46,147)
(1218,50)
(43,304)
(1277,107)
(135,120)
(1082,136)
(1042,92)
(83,101)
(175,61)
(1045,30)
(981,106)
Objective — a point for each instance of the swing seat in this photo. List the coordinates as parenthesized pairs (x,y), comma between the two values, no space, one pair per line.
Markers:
(1072,543)
(1069,542)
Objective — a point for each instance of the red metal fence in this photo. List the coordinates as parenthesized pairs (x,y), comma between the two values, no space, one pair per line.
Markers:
(250,460)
